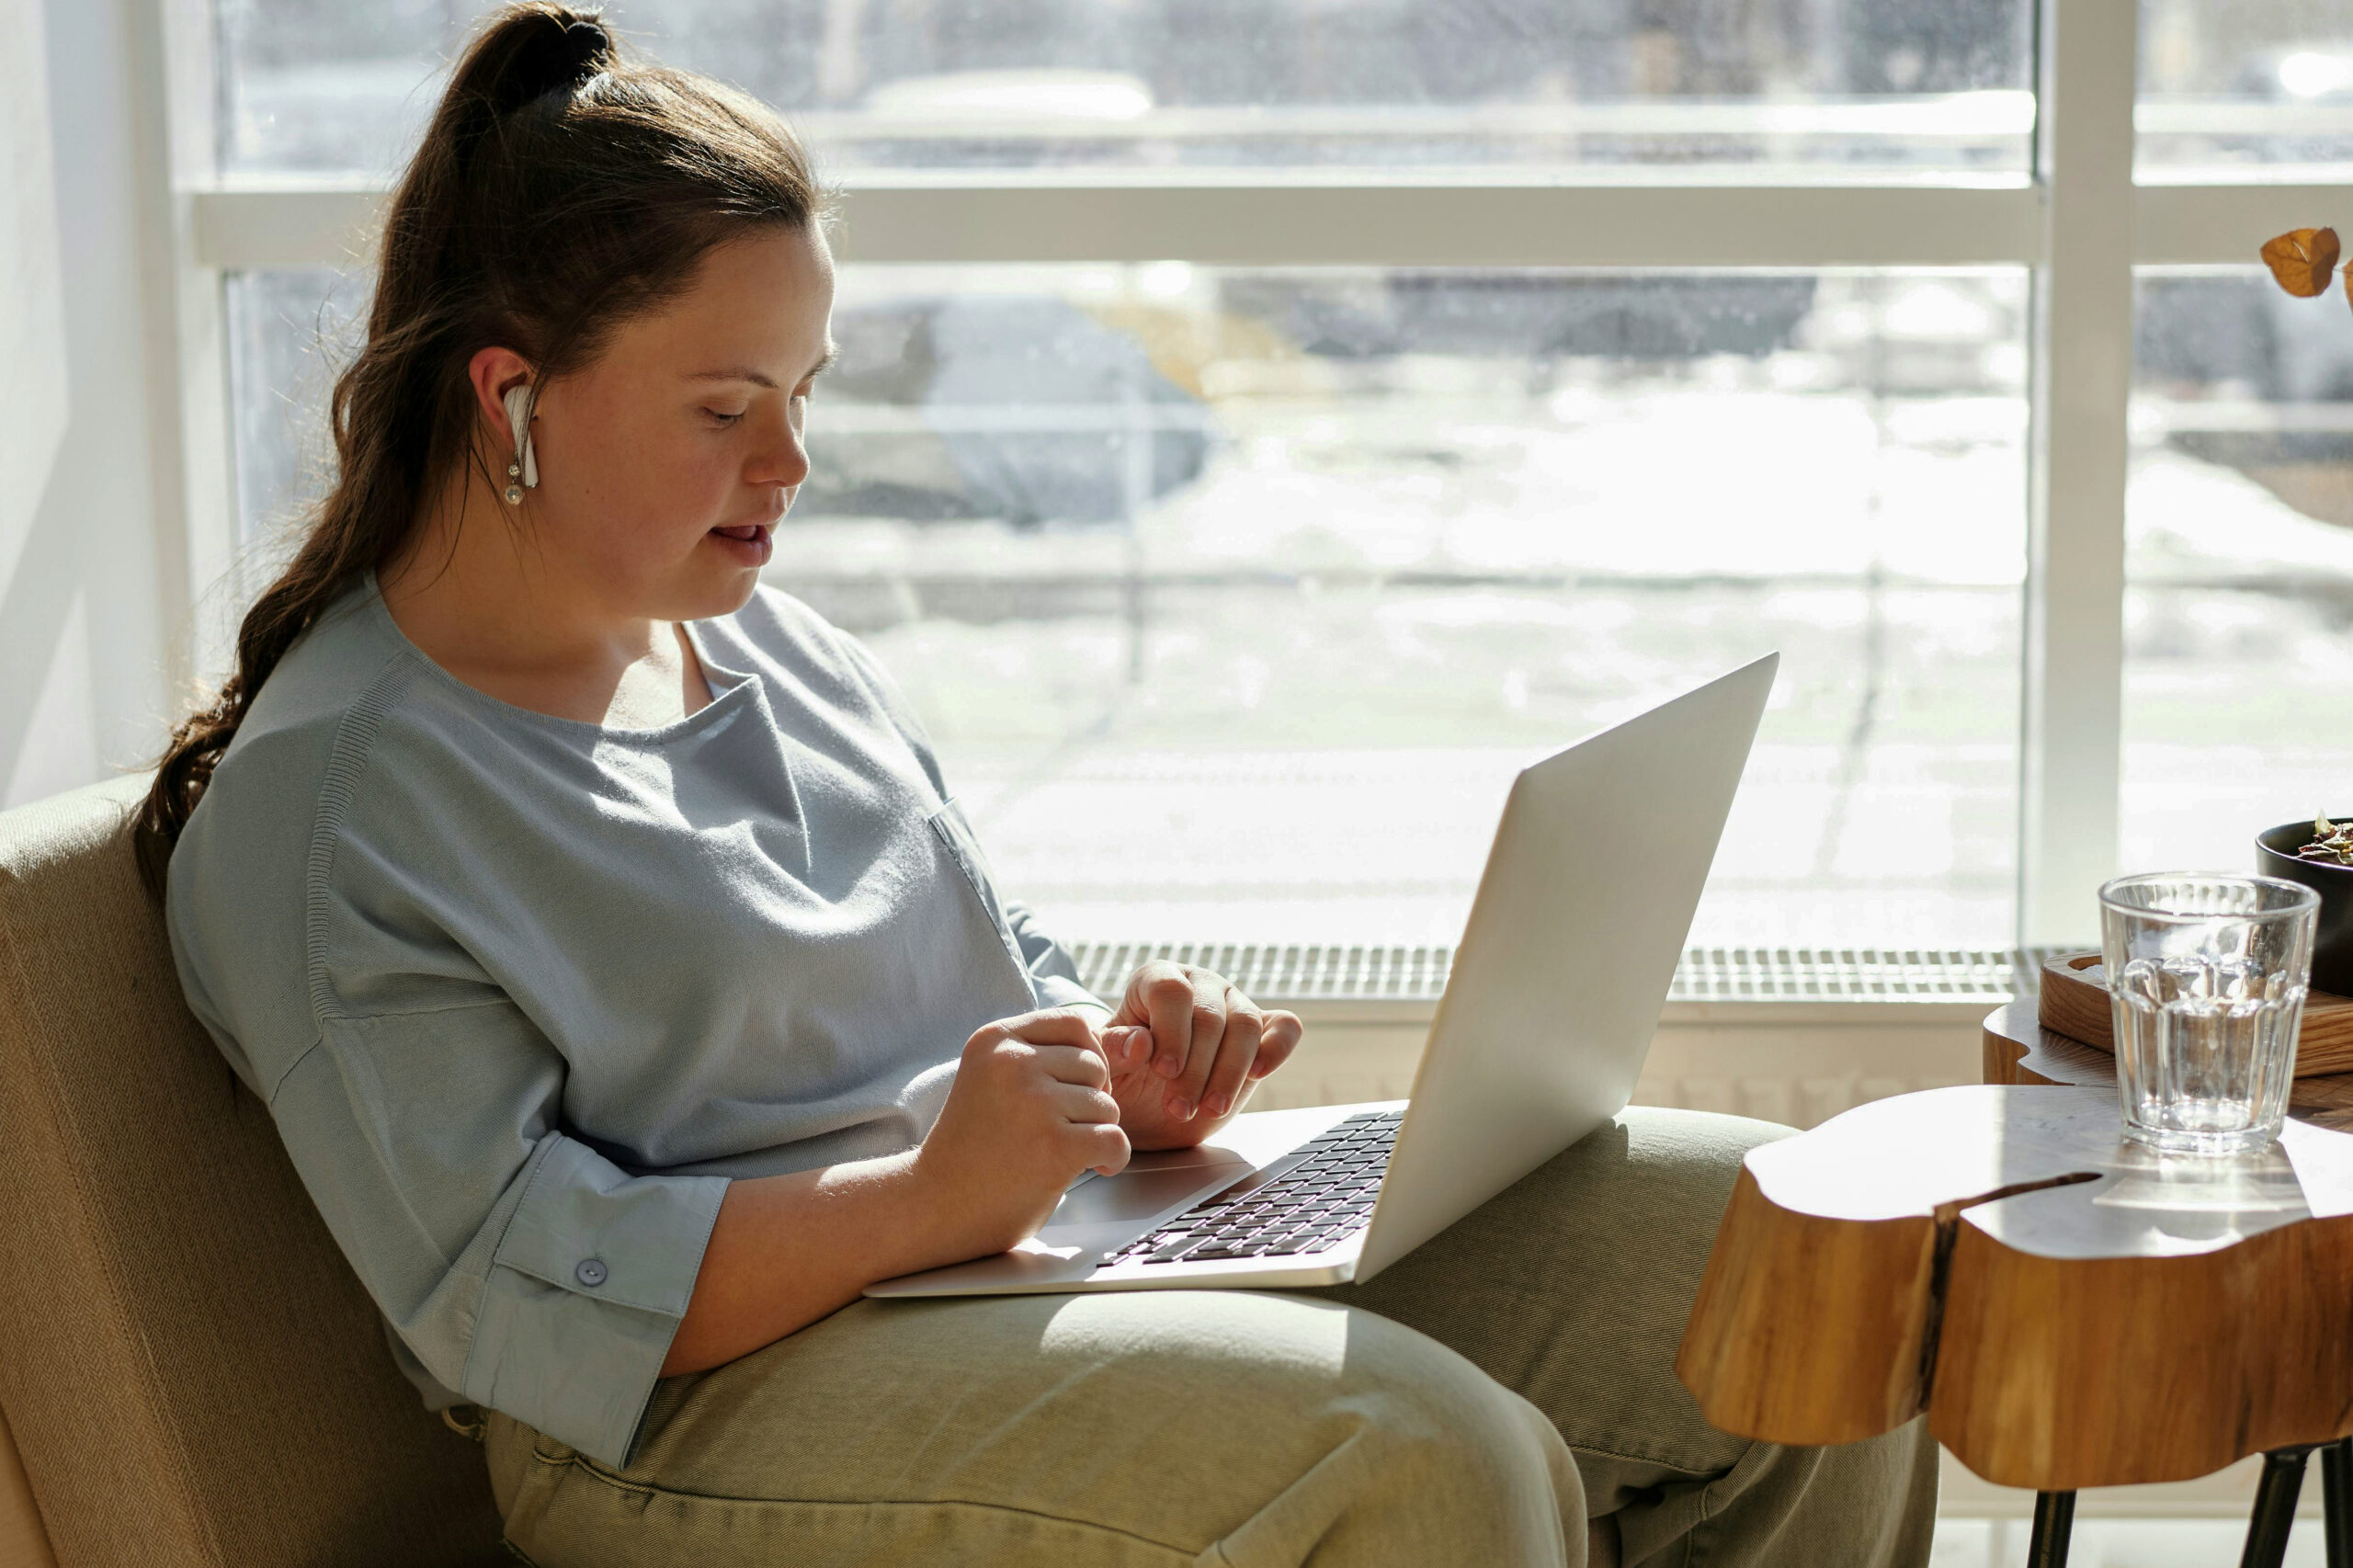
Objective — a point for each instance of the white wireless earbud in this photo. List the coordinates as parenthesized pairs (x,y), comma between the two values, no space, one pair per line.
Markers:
(523,473)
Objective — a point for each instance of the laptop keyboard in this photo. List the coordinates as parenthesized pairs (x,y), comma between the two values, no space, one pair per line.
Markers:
(1316,1204)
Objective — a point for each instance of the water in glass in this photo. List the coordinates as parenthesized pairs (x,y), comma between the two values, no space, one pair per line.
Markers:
(2206,979)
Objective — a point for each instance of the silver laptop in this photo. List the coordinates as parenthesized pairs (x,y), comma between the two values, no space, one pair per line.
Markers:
(1557,985)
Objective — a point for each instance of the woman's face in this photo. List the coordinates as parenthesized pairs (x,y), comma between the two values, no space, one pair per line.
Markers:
(666,464)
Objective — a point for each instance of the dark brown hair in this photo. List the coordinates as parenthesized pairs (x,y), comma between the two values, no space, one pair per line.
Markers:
(560,189)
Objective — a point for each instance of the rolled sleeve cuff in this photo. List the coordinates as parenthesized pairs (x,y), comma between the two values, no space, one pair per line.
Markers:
(583,1297)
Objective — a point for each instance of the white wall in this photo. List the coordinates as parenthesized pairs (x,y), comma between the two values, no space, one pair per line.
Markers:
(32,326)
(82,649)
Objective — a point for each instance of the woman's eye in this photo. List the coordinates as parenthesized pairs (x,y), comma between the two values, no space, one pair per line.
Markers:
(721,416)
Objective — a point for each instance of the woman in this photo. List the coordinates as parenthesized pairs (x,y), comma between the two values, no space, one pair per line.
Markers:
(630,995)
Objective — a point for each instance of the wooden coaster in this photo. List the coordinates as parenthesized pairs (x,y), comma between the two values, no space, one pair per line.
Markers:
(2019,1050)
(2074,1004)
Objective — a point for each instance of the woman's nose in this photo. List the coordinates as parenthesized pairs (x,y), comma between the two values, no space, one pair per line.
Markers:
(782,457)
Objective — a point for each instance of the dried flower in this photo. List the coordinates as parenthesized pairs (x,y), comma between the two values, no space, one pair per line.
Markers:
(2301,260)
(2331,842)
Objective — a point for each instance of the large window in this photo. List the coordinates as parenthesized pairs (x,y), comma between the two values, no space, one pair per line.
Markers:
(1237,559)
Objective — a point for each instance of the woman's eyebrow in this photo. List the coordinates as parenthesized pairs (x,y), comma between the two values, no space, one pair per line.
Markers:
(745,373)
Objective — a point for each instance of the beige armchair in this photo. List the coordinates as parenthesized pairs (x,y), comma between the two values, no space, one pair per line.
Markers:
(191,1374)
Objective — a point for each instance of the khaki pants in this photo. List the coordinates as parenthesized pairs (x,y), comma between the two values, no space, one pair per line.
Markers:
(1473,1405)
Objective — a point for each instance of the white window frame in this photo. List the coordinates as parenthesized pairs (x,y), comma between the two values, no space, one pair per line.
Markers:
(2063,220)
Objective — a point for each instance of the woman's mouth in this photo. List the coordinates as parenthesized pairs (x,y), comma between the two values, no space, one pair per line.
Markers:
(750,543)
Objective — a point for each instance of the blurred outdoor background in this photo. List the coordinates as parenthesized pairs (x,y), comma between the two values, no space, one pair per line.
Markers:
(1233,597)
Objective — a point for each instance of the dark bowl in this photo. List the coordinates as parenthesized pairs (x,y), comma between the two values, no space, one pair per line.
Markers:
(2275,856)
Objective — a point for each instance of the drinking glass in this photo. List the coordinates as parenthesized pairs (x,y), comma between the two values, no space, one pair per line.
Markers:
(2206,979)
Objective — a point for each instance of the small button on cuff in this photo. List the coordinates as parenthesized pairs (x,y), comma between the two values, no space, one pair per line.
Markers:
(590,1273)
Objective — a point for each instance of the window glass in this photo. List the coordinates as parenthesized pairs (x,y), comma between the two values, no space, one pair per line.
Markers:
(1235,597)
(289,331)
(2252,84)
(2239,603)
(1425,85)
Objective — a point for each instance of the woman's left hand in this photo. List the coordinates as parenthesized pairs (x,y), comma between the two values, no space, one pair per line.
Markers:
(1185,1047)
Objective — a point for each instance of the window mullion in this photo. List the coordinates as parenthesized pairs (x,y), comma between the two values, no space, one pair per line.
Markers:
(188,382)
(2071,750)
(965,222)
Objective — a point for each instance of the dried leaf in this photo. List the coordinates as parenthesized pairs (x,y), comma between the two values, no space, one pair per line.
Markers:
(2301,260)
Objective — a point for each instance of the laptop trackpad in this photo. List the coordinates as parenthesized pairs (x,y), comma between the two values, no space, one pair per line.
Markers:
(1139,1195)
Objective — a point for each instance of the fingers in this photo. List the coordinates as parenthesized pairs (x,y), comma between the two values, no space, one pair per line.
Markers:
(1076,1102)
(1054,1026)
(1132,1009)
(1127,1046)
(1204,1027)
(1183,1009)
(1209,1027)
(1276,1041)
(1094,1126)
(1226,1069)
(1166,994)
(1080,1028)
(1205,1037)
(1073,1065)
(1108,1147)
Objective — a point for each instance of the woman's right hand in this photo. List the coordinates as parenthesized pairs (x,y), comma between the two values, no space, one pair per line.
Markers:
(1030,1108)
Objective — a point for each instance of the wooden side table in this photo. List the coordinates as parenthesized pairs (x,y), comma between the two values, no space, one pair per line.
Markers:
(2067,1309)
(2018,1049)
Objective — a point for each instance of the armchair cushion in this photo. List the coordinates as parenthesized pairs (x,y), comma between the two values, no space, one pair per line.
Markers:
(192,1374)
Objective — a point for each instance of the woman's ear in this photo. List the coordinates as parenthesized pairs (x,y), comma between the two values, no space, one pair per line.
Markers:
(493,372)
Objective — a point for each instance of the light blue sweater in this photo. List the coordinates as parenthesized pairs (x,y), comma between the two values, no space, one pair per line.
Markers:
(524,992)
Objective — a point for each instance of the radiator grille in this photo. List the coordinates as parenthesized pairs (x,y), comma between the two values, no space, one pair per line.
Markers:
(1271,972)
